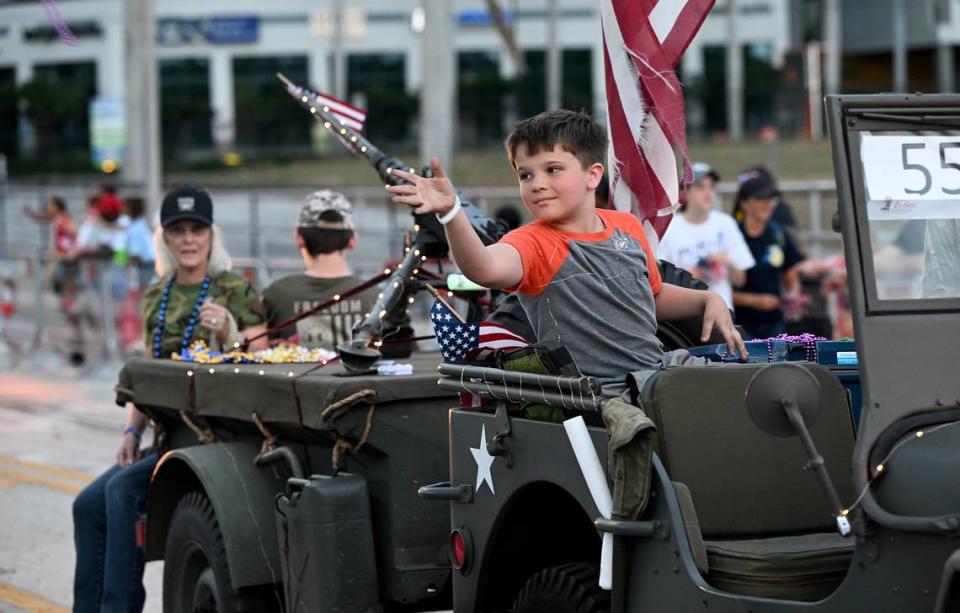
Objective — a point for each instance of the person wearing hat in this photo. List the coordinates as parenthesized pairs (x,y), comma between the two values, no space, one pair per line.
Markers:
(198,298)
(706,241)
(325,234)
(758,302)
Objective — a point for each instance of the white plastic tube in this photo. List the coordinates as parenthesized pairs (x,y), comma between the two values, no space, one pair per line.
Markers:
(596,479)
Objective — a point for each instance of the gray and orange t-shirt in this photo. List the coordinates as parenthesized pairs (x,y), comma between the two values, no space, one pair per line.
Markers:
(592,293)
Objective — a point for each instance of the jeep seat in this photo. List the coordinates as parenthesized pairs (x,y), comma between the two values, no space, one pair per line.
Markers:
(766,524)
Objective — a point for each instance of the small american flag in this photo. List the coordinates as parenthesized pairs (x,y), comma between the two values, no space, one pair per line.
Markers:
(643,42)
(351,116)
(476,341)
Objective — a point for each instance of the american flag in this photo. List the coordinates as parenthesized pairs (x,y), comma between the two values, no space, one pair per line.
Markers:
(643,42)
(476,341)
(351,116)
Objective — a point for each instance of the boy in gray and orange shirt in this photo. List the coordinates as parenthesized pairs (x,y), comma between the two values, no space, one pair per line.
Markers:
(586,278)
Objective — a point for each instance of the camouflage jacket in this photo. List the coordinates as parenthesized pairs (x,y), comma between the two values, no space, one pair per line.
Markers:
(227,289)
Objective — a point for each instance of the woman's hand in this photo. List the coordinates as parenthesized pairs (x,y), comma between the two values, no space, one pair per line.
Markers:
(214,318)
(129,451)
(424,195)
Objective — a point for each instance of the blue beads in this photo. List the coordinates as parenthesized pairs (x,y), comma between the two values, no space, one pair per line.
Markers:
(191,324)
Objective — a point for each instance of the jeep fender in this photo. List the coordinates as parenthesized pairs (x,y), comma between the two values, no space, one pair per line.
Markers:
(242,495)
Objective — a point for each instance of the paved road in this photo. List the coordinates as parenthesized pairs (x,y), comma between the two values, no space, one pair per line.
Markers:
(58,430)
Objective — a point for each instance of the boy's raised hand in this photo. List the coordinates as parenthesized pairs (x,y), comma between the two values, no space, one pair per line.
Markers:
(425,195)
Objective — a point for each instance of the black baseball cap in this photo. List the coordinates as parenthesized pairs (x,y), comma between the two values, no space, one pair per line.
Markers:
(757,187)
(187,202)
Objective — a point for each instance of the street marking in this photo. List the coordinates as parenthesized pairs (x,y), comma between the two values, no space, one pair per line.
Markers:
(18,477)
(54,470)
(28,601)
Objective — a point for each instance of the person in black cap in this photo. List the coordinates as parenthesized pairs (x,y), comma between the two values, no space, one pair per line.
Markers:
(197,298)
(758,301)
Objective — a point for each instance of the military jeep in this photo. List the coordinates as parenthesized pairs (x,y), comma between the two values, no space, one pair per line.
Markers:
(764,495)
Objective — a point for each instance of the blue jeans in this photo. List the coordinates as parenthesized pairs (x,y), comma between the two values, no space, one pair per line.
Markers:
(109,574)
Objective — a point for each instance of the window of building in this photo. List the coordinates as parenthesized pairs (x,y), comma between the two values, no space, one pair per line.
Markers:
(576,82)
(267,118)
(185,112)
(480,96)
(57,105)
(8,111)
(578,79)
(377,81)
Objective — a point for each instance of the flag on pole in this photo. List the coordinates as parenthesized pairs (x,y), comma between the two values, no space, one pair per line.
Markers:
(475,341)
(351,116)
(643,42)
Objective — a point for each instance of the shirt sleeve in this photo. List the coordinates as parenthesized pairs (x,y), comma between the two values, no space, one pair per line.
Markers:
(736,247)
(530,241)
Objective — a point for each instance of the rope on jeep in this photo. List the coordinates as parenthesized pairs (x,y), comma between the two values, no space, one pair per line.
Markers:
(342,445)
(269,438)
(205,435)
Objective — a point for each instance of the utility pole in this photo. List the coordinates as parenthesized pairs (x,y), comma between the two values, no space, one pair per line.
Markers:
(142,160)
(554,59)
(734,76)
(899,47)
(945,61)
(831,42)
(438,95)
(339,57)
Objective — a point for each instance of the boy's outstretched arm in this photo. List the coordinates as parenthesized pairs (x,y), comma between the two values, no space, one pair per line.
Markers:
(495,266)
(675,302)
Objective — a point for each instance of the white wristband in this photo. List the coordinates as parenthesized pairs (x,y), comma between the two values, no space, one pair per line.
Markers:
(449,215)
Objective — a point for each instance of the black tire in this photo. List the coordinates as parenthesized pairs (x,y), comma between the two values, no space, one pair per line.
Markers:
(196,576)
(570,588)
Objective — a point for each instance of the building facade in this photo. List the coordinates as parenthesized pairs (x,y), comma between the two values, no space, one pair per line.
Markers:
(217,59)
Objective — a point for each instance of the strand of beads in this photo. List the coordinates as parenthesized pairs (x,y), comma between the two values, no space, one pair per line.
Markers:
(191,323)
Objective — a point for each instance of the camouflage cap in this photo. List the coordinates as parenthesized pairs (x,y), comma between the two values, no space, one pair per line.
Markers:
(319,202)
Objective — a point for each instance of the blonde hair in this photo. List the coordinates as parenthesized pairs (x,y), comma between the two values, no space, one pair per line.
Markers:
(166,265)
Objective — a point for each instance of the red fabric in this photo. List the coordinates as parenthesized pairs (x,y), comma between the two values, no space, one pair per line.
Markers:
(109,205)
(662,96)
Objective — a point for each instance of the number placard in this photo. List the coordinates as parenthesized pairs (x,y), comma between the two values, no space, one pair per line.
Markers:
(911,176)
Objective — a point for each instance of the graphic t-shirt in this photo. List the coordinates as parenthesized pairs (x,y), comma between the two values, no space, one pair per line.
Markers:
(775,253)
(227,289)
(688,245)
(290,296)
(593,293)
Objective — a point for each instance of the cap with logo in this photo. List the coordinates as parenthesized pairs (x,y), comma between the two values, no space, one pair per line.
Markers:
(187,202)
(314,206)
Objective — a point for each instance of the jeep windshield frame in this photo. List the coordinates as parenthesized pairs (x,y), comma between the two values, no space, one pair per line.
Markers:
(905,345)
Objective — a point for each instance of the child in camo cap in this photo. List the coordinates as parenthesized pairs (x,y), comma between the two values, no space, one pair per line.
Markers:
(325,233)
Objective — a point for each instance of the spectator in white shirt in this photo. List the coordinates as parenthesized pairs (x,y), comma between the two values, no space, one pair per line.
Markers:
(705,241)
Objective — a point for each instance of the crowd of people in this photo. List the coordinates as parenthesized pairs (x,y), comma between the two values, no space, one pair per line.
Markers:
(110,248)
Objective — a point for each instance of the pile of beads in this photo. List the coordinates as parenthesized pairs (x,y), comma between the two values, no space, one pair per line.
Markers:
(285,353)
(806,340)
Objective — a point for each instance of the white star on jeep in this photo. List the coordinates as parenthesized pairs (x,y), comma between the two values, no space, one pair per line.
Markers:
(483,459)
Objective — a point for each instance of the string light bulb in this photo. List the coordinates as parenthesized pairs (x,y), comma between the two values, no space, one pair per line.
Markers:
(189,373)
(336,297)
(260,372)
(313,110)
(879,468)
(326,125)
(919,433)
(236,371)
(211,371)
